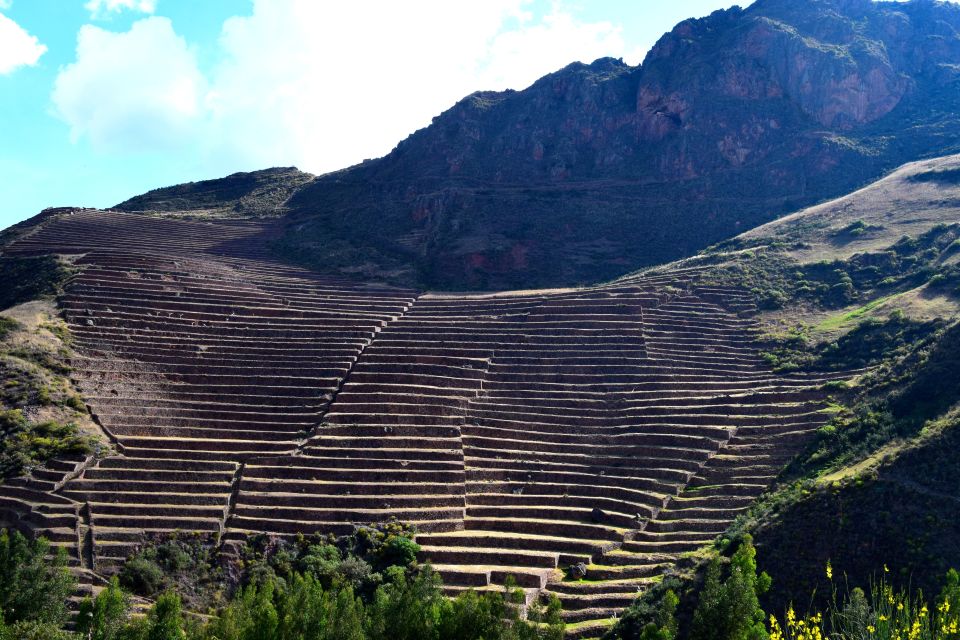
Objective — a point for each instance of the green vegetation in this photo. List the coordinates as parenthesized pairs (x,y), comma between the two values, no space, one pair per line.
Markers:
(725,600)
(34,586)
(880,478)
(26,279)
(316,598)
(730,607)
(776,282)
(24,444)
(886,614)
(918,383)
(722,603)
(854,230)
(194,566)
(32,378)
(872,341)
(33,383)
(7,326)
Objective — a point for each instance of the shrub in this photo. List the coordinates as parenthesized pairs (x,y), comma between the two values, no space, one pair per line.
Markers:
(7,326)
(34,580)
(142,576)
(105,617)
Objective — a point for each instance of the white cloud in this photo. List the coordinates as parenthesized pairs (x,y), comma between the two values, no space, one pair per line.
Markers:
(101,8)
(17,47)
(318,84)
(132,91)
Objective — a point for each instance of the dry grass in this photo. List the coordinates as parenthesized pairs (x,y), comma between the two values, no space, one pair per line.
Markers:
(40,330)
(898,205)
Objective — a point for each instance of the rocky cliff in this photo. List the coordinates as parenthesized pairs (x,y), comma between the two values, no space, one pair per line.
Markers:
(599,169)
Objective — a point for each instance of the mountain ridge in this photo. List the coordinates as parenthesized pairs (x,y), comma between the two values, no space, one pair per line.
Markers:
(599,169)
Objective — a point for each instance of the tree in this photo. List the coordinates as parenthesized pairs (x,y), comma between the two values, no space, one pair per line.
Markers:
(104,618)
(35,583)
(407,609)
(664,624)
(165,621)
(730,609)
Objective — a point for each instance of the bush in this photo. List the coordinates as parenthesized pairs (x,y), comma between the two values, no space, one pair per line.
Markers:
(399,551)
(142,576)
(32,630)
(26,444)
(34,580)
(7,326)
(105,617)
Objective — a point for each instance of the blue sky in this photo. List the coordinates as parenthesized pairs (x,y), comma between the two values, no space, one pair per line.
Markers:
(103,99)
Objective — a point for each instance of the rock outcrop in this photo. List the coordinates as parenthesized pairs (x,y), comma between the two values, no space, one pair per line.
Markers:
(599,169)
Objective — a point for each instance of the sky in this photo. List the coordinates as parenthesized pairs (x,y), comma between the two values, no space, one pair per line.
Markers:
(101,100)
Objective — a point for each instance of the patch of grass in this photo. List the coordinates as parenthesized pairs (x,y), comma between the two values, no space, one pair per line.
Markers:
(841,320)
(855,230)
(39,411)
(7,326)
(26,444)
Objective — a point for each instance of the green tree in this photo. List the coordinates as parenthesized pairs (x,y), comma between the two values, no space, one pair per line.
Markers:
(33,630)
(34,580)
(346,617)
(730,609)
(664,623)
(472,616)
(104,617)
(407,609)
(165,621)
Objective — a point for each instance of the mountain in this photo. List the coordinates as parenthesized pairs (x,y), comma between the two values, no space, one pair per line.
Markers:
(254,194)
(599,169)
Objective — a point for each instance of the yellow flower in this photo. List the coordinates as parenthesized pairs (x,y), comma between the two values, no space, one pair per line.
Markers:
(871,628)
(829,571)
(886,569)
(915,630)
(882,618)
(899,606)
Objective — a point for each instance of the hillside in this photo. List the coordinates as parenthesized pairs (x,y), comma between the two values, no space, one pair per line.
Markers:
(257,194)
(280,365)
(577,441)
(582,442)
(867,284)
(599,169)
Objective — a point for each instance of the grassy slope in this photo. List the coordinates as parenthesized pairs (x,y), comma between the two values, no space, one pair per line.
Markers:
(41,414)
(879,484)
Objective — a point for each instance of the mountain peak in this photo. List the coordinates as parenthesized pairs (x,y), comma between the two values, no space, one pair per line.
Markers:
(601,168)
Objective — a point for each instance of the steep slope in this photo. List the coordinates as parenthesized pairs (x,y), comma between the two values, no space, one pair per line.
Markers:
(522,433)
(868,284)
(599,169)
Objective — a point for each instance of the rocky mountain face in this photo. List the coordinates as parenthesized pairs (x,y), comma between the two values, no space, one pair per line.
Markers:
(599,169)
